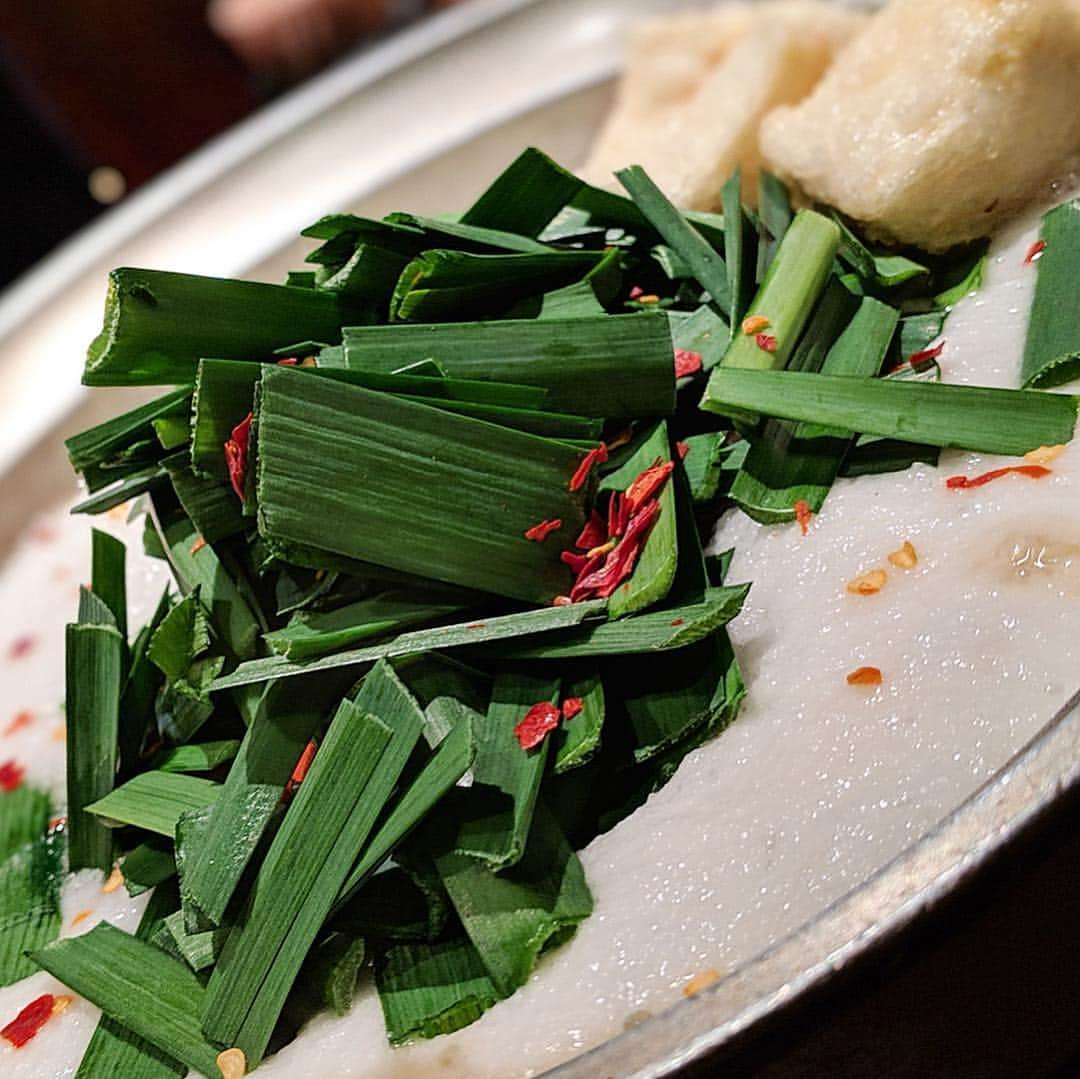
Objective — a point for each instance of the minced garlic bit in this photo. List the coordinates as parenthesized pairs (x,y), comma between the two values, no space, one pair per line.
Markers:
(232,1063)
(868,584)
(700,981)
(753,324)
(905,557)
(1044,454)
(864,676)
(62,1003)
(116,878)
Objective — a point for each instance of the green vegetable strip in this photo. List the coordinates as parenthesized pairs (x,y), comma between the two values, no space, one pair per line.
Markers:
(958,417)
(774,210)
(578,738)
(412,488)
(24,816)
(501,627)
(796,279)
(107,578)
(705,263)
(708,461)
(146,866)
(1052,350)
(738,249)
(883,269)
(117,494)
(136,984)
(223,397)
(287,716)
(651,580)
(211,504)
(199,950)
(430,989)
(449,762)
(202,757)
(511,916)
(784,466)
(703,332)
(331,815)
(94,670)
(609,366)
(547,424)
(651,631)
(526,197)
(155,800)
(114,1051)
(455,285)
(470,235)
(159,324)
(496,833)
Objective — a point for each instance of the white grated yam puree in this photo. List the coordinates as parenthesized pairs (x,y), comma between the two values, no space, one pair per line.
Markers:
(817,784)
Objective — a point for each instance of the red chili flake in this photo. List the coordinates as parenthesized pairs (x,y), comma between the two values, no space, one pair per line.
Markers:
(864,676)
(562,601)
(236,455)
(571,706)
(686,362)
(1034,251)
(476,625)
(540,720)
(289,361)
(57,824)
(765,341)
(919,359)
(301,770)
(595,456)
(21,646)
(677,621)
(593,534)
(539,533)
(618,514)
(32,1018)
(575,561)
(198,545)
(647,485)
(636,292)
(11,775)
(963,483)
(682,449)
(619,564)
(23,719)
(804,515)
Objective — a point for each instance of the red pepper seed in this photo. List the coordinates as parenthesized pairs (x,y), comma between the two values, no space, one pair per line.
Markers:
(1036,249)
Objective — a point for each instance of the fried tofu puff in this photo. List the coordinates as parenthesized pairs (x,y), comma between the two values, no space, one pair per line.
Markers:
(696,86)
(939,119)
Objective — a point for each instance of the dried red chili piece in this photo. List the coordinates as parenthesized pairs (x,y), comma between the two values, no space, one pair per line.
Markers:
(804,515)
(11,775)
(593,534)
(23,719)
(636,292)
(300,771)
(919,359)
(647,485)
(678,621)
(765,341)
(562,601)
(30,1020)
(619,563)
(682,449)
(595,456)
(576,562)
(540,720)
(571,706)
(540,532)
(477,625)
(864,676)
(1034,251)
(963,483)
(236,455)
(687,362)
(289,361)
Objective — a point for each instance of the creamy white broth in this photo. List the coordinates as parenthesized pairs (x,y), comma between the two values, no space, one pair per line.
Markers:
(814,787)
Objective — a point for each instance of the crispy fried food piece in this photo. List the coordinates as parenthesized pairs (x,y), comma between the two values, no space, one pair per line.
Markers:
(939,119)
(696,85)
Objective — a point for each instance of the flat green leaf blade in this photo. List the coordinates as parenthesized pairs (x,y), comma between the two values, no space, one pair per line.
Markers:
(139,986)
(94,670)
(495,830)
(511,916)
(155,801)
(430,989)
(680,234)
(159,324)
(441,638)
(611,365)
(224,390)
(198,757)
(578,738)
(970,418)
(406,486)
(1052,349)
(30,881)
